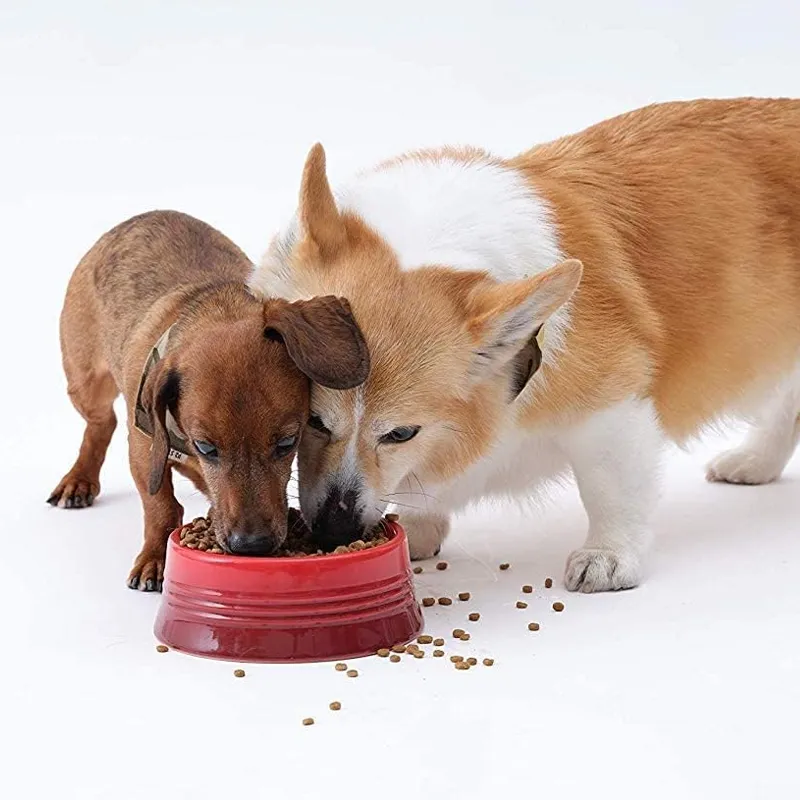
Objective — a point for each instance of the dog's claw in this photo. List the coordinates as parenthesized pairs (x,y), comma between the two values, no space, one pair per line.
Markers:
(53,499)
(89,499)
(133,583)
(159,586)
(149,585)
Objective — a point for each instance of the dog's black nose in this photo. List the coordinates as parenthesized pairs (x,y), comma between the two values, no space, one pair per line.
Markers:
(250,544)
(338,521)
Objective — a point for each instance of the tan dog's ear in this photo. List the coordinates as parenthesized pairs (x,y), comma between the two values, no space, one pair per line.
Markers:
(160,392)
(322,338)
(319,217)
(503,317)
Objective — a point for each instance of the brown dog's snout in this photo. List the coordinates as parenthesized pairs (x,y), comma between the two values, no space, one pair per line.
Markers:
(254,537)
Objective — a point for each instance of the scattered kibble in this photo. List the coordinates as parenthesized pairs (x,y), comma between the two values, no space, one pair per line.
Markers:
(425,639)
(352,673)
(533,626)
(418,570)
(474,616)
(456,659)
(464,596)
(335,706)
(465,637)
(548,583)
(445,601)
(428,601)
(394,659)
(399,648)
(558,606)
(472,661)
(438,653)
(392,517)
(521,604)
(340,667)
(527,588)
(442,565)
(462,665)
(308,721)
(162,648)
(504,566)
(239,673)
(383,652)
(458,633)
(488,662)
(419,654)
(438,642)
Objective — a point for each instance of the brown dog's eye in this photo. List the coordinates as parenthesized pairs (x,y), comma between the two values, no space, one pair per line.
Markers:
(285,446)
(206,449)
(317,424)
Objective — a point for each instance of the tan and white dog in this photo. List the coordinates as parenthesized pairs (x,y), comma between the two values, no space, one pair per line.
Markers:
(685,218)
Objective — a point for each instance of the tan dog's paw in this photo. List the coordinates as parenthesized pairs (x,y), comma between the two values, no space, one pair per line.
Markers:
(425,534)
(744,467)
(601,570)
(74,491)
(147,574)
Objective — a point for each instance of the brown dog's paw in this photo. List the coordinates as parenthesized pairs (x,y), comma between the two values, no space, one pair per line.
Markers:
(74,491)
(147,574)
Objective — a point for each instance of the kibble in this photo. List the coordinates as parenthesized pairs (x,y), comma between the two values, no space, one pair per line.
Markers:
(558,606)
(419,654)
(340,667)
(428,601)
(239,673)
(504,566)
(438,653)
(445,601)
(488,662)
(527,588)
(418,570)
(308,721)
(394,659)
(465,637)
(472,661)
(352,673)
(474,616)
(548,583)
(392,517)
(162,648)
(456,659)
(438,642)
(464,596)
(462,665)
(383,652)
(442,565)
(520,604)
(335,706)
(425,639)
(399,648)
(458,633)
(533,626)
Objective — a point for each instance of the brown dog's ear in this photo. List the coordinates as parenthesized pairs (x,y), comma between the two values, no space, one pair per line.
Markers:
(322,338)
(161,391)
(319,217)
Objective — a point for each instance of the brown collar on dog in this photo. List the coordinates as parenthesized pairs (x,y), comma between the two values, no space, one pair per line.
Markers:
(179,448)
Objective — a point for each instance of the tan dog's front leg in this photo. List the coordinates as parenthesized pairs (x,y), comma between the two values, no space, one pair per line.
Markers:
(426,533)
(162,514)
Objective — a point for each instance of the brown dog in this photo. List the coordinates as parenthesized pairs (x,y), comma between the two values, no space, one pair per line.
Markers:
(216,382)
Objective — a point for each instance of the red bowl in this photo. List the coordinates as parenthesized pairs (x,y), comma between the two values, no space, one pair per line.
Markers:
(316,608)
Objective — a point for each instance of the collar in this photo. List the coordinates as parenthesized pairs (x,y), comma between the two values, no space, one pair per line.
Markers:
(179,447)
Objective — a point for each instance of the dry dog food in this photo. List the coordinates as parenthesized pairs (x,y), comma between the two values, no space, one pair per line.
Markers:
(417,570)
(162,648)
(308,721)
(383,652)
(527,588)
(504,566)
(464,596)
(438,642)
(465,637)
(558,606)
(419,654)
(462,665)
(335,706)
(548,583)
(520,604)
(399,648)
(425,639)
(438,653)
(533,626)
(458,633)
(472,661)
(392,517)
(488,662)
(394,659)
(428,601)
(352,673)
(199,535)
(442,565)
(239,673)
(456,659)
(445,601)
(474,616)
(340,667)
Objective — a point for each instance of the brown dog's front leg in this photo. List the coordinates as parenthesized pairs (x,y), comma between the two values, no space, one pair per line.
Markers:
(162,514)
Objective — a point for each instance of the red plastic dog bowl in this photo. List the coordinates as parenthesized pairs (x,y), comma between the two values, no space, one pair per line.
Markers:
(316,608)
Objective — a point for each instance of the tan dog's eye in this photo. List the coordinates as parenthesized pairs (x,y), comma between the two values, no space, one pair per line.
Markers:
(285,446)
(405,433)
(206,449)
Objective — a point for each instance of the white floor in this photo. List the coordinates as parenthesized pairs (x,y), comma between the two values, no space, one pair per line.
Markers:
(684,688)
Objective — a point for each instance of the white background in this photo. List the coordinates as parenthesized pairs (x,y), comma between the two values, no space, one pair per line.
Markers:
(684,688)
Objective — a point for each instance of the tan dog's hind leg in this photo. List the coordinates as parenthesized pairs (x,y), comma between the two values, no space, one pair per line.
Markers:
(769,443)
